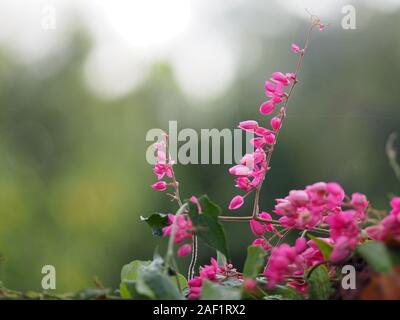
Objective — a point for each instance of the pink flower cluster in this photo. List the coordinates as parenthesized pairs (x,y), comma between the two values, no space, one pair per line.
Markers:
(285,261)
(183,230)
(162,167)
(259,228)
(288,261)
(213,273)
(305,209)
(389,228)
(322,203)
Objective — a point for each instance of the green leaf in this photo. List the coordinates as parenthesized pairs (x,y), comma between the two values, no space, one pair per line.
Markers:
(214,291)
(207,225)
(283,293)
(129,274)
(156,221)
(320,287)
(221,259)
(181,280)
(376,255)
(326,248)
(147,280)
(160,284)
(255,261)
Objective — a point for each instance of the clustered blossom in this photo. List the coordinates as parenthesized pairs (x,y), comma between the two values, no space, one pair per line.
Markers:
(183,230)
(287,262)
(388,229)
(162,168)
(322,203)
(213,273)
(259,228)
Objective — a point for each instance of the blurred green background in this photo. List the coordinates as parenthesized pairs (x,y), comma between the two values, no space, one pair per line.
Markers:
(73,175)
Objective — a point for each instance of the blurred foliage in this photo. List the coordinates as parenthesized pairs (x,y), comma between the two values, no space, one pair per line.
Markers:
(73,175)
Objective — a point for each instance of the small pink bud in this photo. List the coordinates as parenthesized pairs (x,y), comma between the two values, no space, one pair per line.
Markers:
(262,131)
(236,203)
(301,245)
(197,203)
(276,123)
(270,138)
(295,48)
(248,125)
(240,171)
(184,250)
(195,282)
(249,285)
(269,86)
(267,107)
(159,186)
(257,228)
(258,142)
(280,77)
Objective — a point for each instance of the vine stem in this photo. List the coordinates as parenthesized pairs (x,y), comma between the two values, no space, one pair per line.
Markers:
(177,197)
(257,218)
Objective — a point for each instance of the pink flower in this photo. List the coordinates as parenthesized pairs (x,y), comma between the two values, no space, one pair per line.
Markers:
(389,228)
(395,204)
(269,86)
(284,261)
(300,245)
(162,169)
(295,48)
(213,273)
(341,250)
(184,250)
(267,107)
(197,203)
(159,186)
(248,125)
(183,228)
(359,200)
(268,226)
(240,171)
(257,228)
(243,183)
(260,242)
(249,285)
(280,77)
(276,123)
(270,138)
(236,203)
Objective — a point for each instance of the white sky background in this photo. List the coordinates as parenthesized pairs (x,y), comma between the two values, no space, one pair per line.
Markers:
(130,35)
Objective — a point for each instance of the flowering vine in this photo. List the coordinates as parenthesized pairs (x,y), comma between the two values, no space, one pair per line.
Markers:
(342,222)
